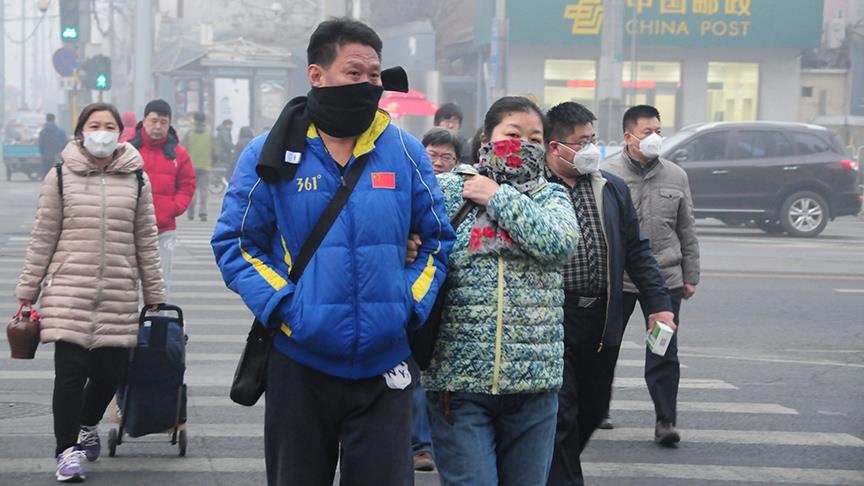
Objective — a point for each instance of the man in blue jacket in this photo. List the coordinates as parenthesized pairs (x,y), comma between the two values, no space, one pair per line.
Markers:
(340,375)
(593,283)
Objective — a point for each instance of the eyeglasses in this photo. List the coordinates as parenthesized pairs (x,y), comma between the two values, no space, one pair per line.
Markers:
(433,156)
(578,145)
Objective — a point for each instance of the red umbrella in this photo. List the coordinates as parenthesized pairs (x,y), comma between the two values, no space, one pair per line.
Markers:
(412,103)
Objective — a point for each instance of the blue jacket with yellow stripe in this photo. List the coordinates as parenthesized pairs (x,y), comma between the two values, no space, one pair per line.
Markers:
(348,313)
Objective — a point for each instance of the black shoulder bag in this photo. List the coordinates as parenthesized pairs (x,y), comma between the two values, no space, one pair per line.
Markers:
(250,376)
(422,341)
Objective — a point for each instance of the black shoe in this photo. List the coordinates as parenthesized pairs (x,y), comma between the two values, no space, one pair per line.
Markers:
(606,424)
(665,433)
(203,217)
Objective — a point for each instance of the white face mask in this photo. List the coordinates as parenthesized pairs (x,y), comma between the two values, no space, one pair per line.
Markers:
(586,160)
(101,144)
(650,146)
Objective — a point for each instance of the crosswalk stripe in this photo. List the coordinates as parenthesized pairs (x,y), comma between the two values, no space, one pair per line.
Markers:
(635,363)
(708,472)
(701,436)
(743,437)
(203,337)
(709,407)
(695,472)
(48,355)
(691,383)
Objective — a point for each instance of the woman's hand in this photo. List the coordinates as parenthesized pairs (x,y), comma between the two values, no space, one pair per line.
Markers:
(25,303)
(414,243)
(479,189)
(153,308)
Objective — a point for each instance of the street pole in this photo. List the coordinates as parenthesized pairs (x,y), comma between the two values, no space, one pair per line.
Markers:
(609,92)
(23,56)
(142,64)
(633,70)
(2,67)
(501,73)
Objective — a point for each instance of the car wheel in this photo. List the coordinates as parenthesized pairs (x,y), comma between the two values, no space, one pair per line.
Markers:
(804,214)
(770,226)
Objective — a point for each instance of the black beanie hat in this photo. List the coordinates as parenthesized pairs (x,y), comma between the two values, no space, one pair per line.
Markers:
(161,107)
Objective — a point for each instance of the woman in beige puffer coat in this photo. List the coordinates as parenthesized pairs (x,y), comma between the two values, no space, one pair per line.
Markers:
(91,245)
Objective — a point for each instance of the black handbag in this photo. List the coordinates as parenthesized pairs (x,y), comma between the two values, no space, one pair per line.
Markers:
(250,377)
(422,341)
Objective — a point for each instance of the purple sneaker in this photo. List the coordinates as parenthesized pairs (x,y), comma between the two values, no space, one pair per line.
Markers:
(88,441)
(69,468)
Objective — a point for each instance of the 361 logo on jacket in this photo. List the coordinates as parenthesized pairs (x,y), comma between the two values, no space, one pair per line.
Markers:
(383,180)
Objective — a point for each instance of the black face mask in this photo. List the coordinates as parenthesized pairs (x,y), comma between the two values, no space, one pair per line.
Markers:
(344,111)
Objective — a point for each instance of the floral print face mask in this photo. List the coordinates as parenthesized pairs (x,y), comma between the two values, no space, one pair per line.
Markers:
(515,162)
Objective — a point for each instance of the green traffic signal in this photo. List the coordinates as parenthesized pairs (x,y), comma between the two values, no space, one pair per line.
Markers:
(69,33)
(101,81)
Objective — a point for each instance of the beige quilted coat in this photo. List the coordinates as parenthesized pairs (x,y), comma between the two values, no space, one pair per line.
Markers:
(88,253)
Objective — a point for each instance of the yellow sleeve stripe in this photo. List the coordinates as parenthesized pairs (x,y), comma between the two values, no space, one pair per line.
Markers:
(273,278)
(286,330)
(287,255)
(424,281)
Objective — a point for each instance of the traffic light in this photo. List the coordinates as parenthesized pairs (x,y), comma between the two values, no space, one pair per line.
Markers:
(95,73)
(70,21)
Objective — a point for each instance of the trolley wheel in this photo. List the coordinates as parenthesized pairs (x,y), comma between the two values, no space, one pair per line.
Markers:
(112,442)
(182,440)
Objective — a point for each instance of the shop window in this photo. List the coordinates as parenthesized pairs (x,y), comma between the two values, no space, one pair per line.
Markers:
(655,84)
(733,90)
(807,91)
(570,80)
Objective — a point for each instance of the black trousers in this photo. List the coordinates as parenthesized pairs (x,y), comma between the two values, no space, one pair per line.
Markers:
(584,397)
(309,415)
(662,373)
(84,383)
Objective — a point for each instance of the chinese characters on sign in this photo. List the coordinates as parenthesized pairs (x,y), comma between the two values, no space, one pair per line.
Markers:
(587,17)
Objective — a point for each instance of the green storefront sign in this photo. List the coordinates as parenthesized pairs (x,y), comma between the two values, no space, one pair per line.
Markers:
(685,23)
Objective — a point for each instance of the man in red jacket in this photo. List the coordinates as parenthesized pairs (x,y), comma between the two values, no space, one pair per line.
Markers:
(171,174)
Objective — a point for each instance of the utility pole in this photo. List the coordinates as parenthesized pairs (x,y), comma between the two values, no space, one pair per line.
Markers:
(499,50)
(23,56)
(609,72)
(2,66)
(142,62)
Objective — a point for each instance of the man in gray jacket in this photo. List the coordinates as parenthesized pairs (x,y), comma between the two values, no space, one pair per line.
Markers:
(661,194)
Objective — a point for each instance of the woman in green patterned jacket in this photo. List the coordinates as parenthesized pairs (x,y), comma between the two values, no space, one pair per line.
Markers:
(498,362)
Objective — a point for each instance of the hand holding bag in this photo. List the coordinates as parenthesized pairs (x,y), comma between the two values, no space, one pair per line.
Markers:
(250,377)
(22,332)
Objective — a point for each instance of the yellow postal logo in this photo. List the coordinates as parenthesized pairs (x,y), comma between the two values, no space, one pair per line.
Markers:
(587,16)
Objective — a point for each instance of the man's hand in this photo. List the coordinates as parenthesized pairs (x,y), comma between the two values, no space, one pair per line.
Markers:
(689,291)
(666,317)
(414,243)
(479,189)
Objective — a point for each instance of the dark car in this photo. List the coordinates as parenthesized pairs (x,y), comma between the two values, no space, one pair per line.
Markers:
(791,177)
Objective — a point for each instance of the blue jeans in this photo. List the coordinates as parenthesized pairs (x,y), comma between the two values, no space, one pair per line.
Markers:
(494,440)
(421,438)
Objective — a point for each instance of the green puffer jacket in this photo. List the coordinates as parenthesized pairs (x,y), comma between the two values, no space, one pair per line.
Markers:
(501,330)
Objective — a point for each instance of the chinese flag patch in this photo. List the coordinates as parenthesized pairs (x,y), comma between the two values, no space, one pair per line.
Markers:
(383,180)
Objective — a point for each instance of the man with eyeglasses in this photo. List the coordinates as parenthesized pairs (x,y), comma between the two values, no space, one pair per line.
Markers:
(593,283)
(443,148)
(171,174)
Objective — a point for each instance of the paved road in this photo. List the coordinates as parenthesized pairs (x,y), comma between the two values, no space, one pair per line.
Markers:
(772,389)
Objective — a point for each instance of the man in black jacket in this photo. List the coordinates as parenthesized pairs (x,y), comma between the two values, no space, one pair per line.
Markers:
(611,244)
